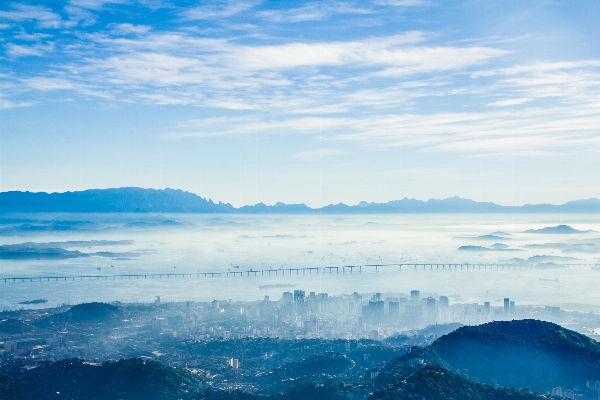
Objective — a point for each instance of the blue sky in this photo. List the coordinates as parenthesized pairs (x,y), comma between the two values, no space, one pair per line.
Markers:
(315,102)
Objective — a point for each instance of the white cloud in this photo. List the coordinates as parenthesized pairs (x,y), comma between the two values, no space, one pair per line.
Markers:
(284,77)
(95,4)
(79,15)
(50,84)
(178,59)
(8,104)
(224,10)
(402,3)
(45,17)
(510,102)
(311,12)
(46,84)
(371,91)
(532,130)
(126,29)
(37,50)
(537,68)
(34,37)
(527,131)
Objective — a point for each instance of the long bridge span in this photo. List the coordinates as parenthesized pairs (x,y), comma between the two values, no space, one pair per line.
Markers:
(287,271)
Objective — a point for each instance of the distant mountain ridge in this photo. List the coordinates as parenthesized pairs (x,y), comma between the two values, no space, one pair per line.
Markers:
(132,199)
(560,229)
(127,199)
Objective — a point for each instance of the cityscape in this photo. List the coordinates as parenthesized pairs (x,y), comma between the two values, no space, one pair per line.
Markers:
(378,326)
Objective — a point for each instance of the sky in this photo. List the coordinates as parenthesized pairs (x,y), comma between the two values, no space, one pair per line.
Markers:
(313,102)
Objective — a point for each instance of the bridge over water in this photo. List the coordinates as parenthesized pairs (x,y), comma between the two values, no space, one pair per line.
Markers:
(289,271)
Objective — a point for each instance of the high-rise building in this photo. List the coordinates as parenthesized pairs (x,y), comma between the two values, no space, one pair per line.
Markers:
(287,297)
(378,310)
(593,385)
(356,303)
(444,302)
(233,363)
(403,302)
(299,301)
(512,307)
(312,303)
(157,324)
(431,311)
(299,295)
(413,315)
(394,309)
(506,305)
(373,312)
(415,295)
(323,302)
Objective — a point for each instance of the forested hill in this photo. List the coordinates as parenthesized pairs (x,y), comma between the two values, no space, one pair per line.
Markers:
(132,379)
(521,353)
(131,199)
(435,382)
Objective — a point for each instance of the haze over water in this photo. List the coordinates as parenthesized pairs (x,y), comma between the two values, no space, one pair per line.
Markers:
(217,243)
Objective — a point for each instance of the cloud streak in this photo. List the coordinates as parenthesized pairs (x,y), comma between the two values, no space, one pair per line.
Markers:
(407,89)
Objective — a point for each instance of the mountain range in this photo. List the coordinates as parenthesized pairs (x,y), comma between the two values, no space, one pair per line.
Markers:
(132,199)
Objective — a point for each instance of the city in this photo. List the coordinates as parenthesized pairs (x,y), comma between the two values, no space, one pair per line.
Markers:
(214,339)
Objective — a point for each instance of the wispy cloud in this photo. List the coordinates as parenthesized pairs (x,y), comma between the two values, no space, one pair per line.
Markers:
(44,16)
(126,29)
(38,50)
(315,11)
(216,11)
(402,3)
(8,104)
(510,102)
(95,4)
(527,131)
(181,62)
(407,89)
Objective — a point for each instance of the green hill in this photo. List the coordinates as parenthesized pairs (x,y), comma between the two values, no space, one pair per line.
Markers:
(92,312)
(74,379)
(84,313)
(14,326)
(525,353)
(522,353)
(434,382)
(329,363)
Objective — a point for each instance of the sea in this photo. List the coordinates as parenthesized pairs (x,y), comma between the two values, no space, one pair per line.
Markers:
(504,260)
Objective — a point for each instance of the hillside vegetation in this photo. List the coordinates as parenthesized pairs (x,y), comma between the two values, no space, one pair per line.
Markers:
(75,379)
(523,353)
(434,382)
